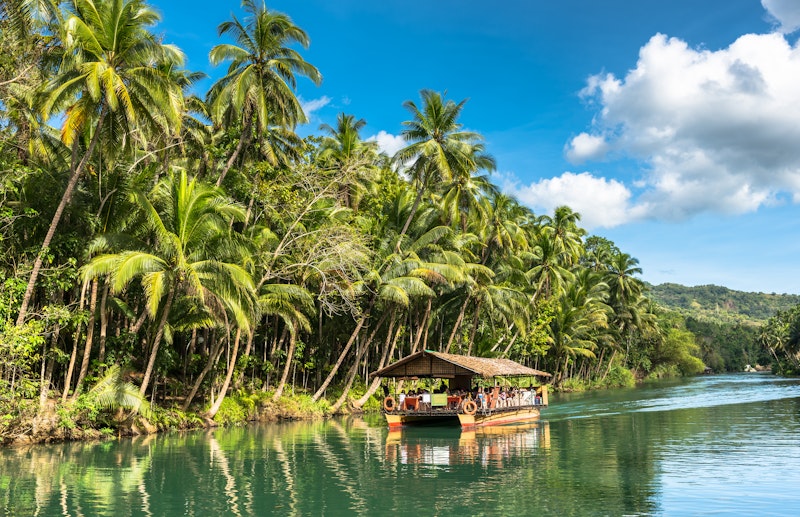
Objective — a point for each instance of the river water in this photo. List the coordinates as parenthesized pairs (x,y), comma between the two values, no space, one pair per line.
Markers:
(712,445)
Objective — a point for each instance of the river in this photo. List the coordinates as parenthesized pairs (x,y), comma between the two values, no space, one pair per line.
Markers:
(711,445)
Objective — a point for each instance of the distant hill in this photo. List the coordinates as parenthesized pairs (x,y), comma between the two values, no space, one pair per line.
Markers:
(720,304)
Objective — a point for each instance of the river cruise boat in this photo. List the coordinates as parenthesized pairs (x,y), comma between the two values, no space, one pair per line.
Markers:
(463,403)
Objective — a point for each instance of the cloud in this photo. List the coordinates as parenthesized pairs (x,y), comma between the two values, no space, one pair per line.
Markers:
(601,202)
(715,131)
(387,142)
(785,12)
(309,107)
(586,147)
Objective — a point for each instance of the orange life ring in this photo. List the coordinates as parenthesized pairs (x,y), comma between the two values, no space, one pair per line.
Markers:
(389,404)
(470,407)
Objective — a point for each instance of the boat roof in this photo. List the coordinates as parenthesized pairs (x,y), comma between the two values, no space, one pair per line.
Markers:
(428,363)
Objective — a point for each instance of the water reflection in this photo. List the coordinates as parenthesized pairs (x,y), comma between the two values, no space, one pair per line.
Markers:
(680,459)
(493,445)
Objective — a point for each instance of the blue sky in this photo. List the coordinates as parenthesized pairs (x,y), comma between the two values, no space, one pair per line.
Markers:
(672,127)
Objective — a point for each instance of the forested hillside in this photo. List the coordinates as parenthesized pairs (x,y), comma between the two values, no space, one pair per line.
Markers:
(720,304)
(727,324)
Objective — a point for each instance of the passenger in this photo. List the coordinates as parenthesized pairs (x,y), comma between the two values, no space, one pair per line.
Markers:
(402,400)
(481,398)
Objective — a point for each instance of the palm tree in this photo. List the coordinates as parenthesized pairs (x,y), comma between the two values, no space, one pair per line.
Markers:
(192,253)
(439,150)
(579,319)
(355,159)
(106,87)
(258,90)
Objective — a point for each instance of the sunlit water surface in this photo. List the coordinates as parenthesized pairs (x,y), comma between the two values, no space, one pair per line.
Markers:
(713,445)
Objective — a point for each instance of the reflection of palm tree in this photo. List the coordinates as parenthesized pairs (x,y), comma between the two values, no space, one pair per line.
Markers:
(220,460)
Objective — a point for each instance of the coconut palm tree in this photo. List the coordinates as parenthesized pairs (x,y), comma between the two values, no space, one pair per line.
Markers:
(354,158)
(107,87)
(191,252)
(257,93)
(438,150)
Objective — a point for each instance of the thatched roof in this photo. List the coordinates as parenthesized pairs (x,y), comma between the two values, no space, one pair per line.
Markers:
(446,366)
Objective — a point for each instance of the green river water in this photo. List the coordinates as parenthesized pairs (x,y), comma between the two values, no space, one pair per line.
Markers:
(712,445)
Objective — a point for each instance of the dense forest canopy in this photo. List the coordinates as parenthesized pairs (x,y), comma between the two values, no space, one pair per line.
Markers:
(195,246)
(717,303)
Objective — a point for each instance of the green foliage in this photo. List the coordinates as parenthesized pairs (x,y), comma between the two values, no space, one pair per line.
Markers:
(113,392)
(19,357)
(720,304)
(618,377)
(231,412)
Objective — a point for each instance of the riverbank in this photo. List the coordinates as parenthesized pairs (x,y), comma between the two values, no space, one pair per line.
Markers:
(81,419)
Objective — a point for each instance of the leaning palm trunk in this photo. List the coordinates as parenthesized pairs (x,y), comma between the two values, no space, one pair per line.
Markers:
(456,325)
(340,360)
(87,350)
(287,366)
(351,376)
(475,322)
(243,140)
(156,342)
(66,197)
(387,353)
(231,367)
(73,356)
(411,215)
(213,357)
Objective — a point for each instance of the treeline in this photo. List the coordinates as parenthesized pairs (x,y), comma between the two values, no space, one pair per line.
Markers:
(198,244)
(780,336)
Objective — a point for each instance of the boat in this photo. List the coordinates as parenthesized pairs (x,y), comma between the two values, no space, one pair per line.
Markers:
(463,404)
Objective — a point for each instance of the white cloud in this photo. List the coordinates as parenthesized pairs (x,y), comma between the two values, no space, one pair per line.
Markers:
(387,142)
(785,12)
(600,201)
(717,131)
(309,107)
(586,147)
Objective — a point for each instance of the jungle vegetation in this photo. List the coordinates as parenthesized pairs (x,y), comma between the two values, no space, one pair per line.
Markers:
(195,243)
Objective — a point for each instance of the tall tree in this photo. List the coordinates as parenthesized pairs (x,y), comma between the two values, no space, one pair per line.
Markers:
(258,90)
(192,253)
(439,150)
(107,86)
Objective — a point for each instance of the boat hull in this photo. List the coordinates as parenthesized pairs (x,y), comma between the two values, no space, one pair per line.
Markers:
(508,416)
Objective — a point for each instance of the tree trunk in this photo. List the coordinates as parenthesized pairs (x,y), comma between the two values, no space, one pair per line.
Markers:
(101,355)
(62,205)
(351,375)
(339,361)
(231,367)
(457,325)
(287,366)
(157,341)
(243,140)
(71,367)
(213,357)
(46,374)
(475,321)
(387,353)
(87,350)
(414,208)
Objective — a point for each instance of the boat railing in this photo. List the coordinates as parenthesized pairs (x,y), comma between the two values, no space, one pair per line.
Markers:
(456,405)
